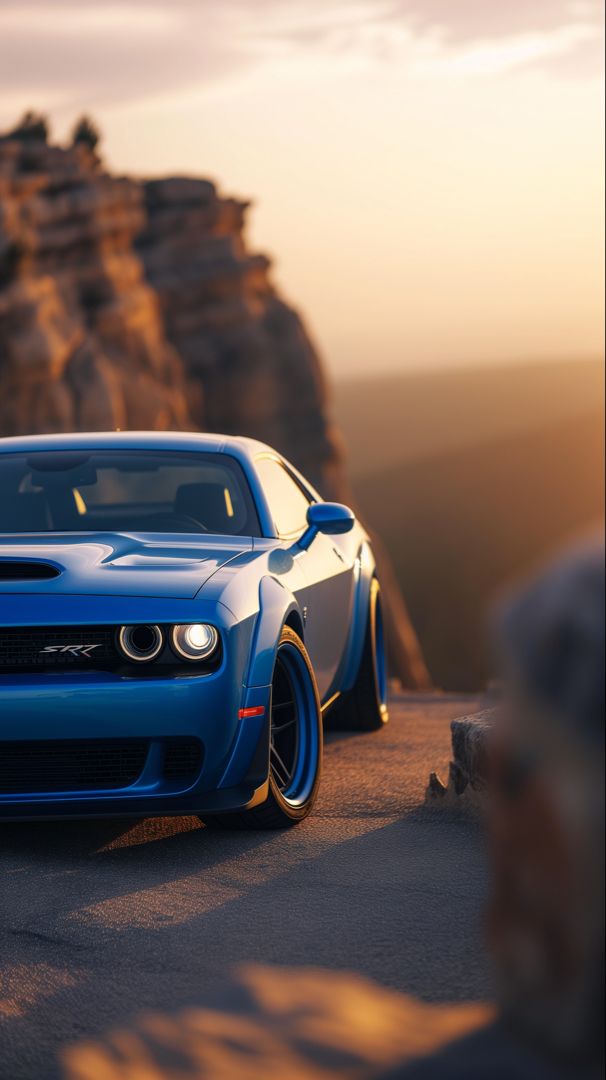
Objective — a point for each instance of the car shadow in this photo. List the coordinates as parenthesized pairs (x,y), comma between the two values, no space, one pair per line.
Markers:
(89,837)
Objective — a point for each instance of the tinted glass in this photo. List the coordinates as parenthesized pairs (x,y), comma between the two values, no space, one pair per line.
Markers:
(287,502)
(125,491)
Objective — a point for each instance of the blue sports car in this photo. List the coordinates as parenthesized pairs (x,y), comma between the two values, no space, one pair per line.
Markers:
(178,613)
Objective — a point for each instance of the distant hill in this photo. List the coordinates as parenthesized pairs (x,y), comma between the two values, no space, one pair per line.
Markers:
(402,418)
(494,486)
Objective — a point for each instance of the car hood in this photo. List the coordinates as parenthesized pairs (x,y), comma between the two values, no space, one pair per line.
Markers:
(118,564)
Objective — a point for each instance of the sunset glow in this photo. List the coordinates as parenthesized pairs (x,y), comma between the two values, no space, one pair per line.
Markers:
(427,176)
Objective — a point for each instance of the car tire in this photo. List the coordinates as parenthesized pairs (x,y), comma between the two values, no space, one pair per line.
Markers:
(295,744)
(364,707)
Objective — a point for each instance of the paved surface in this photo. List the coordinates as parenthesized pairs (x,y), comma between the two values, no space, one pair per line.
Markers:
(99,921)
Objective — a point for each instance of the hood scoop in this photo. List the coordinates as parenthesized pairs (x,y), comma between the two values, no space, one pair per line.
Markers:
(27,571)
(115,564)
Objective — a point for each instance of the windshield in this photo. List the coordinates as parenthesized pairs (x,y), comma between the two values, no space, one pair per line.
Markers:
(125,491)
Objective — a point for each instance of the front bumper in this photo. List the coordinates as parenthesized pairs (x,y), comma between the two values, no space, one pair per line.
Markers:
(98,710)
(86,709)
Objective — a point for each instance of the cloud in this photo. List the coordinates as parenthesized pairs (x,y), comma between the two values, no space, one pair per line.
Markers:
(469,21)
(106,53)
(498,55)
(480,37)
(451,37)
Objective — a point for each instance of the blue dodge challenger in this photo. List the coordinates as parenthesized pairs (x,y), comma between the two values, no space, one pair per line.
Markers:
(179,613)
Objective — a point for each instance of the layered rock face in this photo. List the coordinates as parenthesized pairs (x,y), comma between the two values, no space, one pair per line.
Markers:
(249,364)
(82,345)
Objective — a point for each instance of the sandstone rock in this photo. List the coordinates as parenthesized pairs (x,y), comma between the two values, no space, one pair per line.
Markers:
(82,345)
(249,361)
(468,773)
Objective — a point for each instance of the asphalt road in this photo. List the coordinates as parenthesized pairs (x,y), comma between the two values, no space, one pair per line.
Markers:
(101,920)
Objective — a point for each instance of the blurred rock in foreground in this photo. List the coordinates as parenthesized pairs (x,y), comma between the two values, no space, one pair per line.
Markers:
(535,764)
(276,1023)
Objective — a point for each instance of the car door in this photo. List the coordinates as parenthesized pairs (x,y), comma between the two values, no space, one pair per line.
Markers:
(326,590)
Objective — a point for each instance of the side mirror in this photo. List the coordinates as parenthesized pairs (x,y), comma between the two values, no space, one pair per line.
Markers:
(330,518)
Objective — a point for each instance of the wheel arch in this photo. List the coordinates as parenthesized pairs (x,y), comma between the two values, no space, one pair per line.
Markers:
(277,607)
(294,620)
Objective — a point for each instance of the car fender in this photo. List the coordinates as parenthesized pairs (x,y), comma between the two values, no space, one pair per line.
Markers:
(276,604)
(251,750)
(364,571)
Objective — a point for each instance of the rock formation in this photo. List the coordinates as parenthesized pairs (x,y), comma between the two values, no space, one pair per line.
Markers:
(138,305)
(469,770)
(82,345)
(249,364)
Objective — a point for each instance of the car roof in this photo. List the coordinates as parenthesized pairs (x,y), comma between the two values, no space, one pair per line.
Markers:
(238,445)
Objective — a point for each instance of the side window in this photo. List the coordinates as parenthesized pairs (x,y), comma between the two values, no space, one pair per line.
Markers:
(287,502)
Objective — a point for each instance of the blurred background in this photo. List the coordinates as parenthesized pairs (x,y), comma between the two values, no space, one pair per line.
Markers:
(427,183)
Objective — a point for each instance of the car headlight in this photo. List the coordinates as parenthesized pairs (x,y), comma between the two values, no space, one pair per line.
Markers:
(194,641)
(140,643)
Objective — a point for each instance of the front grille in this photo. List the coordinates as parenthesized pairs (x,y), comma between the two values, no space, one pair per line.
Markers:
(60,647)
(70,765)
(182,759)
(85,648)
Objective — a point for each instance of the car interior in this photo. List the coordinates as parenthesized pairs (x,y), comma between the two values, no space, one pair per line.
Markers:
(103,497)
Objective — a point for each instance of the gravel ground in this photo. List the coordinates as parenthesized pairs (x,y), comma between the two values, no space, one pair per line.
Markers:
(101,920)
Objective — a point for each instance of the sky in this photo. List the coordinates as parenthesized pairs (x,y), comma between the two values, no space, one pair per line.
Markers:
(426,174)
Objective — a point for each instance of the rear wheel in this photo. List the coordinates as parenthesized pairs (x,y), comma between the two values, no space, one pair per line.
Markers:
(364,707)
(295,756)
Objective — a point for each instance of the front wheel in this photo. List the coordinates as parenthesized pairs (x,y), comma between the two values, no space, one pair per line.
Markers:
(295,752)
(364,707)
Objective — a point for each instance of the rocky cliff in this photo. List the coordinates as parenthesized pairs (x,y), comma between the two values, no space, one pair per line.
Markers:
(249,364)
(138,305)
(82,343)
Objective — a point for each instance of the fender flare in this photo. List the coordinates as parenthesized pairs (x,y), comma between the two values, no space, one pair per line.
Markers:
(276,604)
(365,571)
(250,751)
